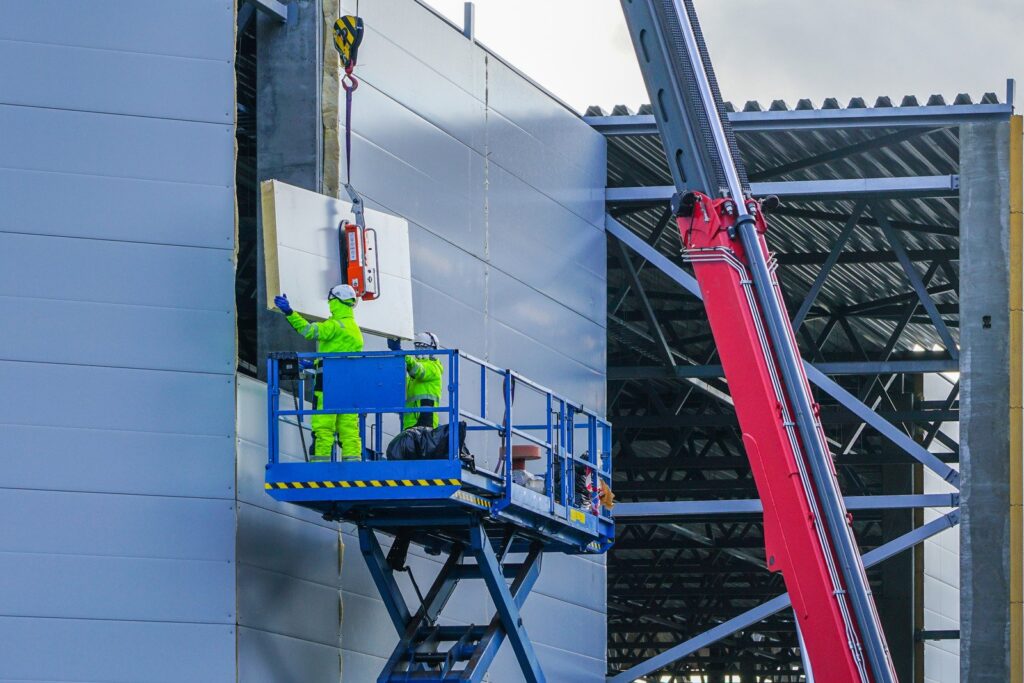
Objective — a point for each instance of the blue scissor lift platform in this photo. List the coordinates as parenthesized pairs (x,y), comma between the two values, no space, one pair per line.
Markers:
(464,510)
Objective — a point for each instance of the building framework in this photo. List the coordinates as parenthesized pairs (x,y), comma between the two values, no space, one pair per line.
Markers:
(881,207)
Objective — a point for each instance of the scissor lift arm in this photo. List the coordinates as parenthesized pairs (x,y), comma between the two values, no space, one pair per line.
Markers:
(491,528)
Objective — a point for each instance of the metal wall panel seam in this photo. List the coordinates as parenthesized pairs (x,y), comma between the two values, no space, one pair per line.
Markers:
(159,87)
(197,26)
(107,145)
(1016,512)
(598,189)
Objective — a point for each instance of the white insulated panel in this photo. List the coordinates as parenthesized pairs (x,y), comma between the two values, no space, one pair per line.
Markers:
(300,230)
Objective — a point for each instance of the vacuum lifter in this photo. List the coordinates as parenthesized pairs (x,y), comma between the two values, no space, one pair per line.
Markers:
(444,504)
(808,535)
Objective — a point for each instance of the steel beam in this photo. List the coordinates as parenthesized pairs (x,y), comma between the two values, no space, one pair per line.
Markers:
(677,511)
(273,8)
(751,617)
(883,426)
(826,268)
(638,287)
(845,188)
(817,119)
(837,368)
(915,280)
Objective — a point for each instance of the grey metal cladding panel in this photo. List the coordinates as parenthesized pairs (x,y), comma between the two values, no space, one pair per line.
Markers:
(203,29)
(112,208)
(115,651)
(469,604)
(272,658)
(561,666)
(446,199)
(366,627)
(116,461)
(278,603)
(564,625)
(533,239)
(547,321)
(130,83)
(44,267)
(160,338)
(116,398)
(358,666)
(423,88)
(457,325)
(252,461)
(444,267)
(508,347)
(118,525)
(120,588)
(551,166)
(418,31)
(533,111)
(252,419)
(514,207)
(119,146)
(289,546)
(575,579)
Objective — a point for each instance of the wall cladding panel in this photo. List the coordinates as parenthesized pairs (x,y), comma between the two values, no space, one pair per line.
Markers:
(45,267)
(115,651)
(145,400)
(130,589)
(116,461)
(154,212)
(201,29)
(292,607)
(271,658)
(108,145)
(135,84)
(125,526)
(161,338)
(122,137)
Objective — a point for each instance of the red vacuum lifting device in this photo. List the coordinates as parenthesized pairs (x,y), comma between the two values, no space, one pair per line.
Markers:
(356,243)
(808,533)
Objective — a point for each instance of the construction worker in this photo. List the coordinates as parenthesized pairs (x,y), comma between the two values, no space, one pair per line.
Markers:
(336,334)
(422,380)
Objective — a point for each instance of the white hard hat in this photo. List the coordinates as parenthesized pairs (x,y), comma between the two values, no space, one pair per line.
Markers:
(426,340)
(342,292)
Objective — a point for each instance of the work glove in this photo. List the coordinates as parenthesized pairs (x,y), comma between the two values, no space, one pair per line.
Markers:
(305,363)
(281,301)
(394,343)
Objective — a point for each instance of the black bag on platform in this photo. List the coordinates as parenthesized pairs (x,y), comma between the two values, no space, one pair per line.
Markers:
(424,443)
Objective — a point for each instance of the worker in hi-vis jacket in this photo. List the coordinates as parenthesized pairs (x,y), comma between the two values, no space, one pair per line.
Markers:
(336,334)
(422,380)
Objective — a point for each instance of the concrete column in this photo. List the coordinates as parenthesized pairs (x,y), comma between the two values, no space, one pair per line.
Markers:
(289,136)
(984,429)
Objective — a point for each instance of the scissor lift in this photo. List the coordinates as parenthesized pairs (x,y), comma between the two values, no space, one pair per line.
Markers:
(446,505)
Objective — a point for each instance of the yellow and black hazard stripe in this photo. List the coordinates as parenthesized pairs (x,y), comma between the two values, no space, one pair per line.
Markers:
(471,499)
(361,483)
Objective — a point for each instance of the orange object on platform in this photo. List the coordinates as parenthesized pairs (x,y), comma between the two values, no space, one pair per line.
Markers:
(520,454)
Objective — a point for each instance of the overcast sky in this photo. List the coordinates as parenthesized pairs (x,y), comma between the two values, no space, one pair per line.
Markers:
(769,49)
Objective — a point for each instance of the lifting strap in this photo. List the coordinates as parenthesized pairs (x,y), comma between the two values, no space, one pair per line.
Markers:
(348,35)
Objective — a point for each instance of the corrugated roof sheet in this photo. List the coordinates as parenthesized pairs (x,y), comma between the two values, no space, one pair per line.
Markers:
(804,230)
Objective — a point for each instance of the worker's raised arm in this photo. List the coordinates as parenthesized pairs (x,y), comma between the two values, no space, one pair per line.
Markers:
(312,331)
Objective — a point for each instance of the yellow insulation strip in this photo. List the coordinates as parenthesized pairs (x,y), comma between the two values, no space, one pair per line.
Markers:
(329,103)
